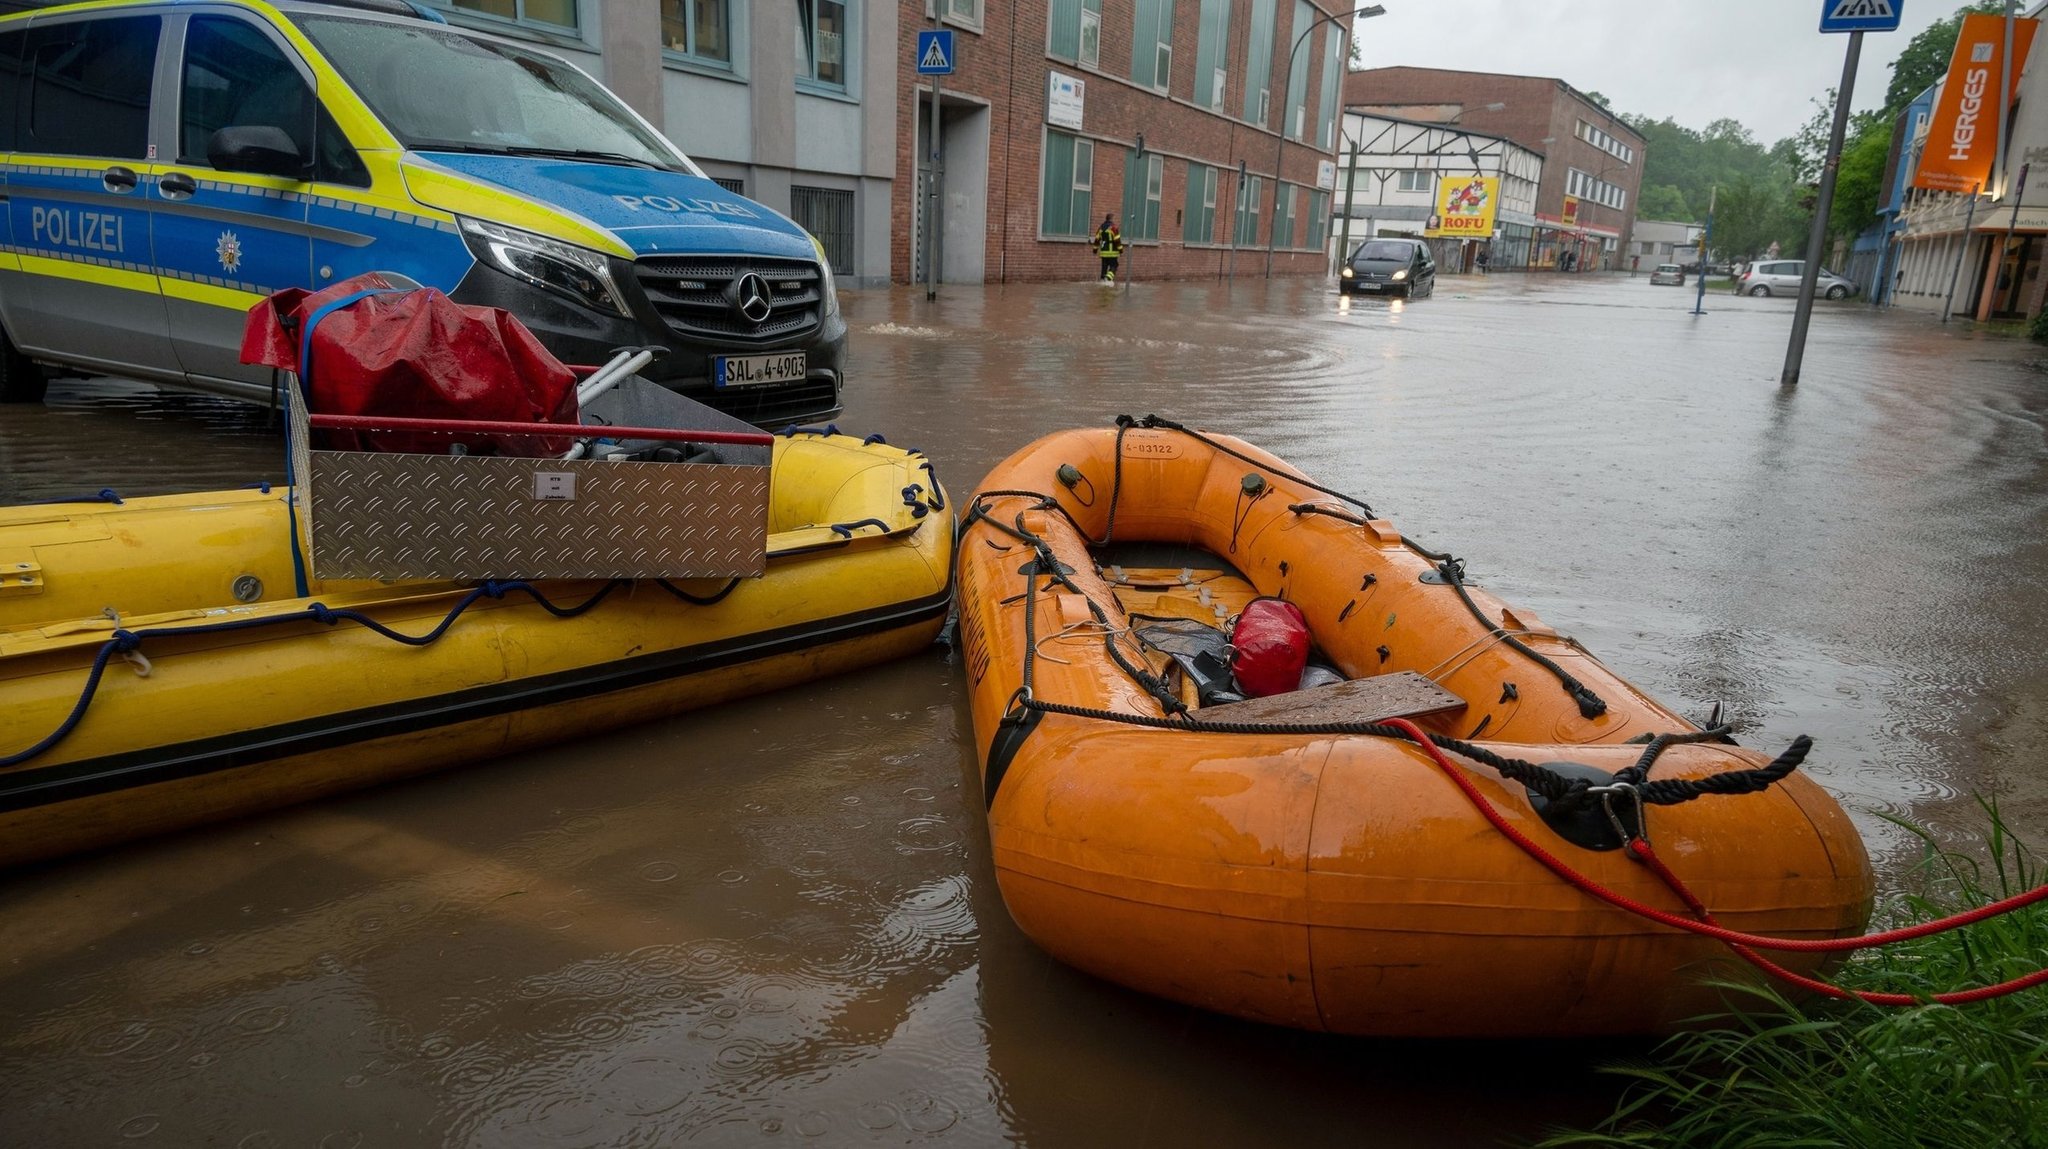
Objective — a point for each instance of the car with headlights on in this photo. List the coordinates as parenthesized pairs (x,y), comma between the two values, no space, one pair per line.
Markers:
(1389,266)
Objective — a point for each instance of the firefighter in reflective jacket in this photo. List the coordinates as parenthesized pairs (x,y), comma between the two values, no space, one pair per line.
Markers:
(1109,246)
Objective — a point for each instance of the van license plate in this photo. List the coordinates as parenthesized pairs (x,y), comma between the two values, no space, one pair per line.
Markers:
(756,370)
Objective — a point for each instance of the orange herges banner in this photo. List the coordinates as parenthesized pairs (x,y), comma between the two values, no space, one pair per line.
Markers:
(1963,137)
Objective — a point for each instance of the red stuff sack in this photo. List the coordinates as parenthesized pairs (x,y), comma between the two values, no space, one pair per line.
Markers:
(380,350)
(1268,647)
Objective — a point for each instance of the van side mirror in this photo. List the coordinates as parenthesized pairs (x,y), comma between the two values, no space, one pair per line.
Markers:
(262,150)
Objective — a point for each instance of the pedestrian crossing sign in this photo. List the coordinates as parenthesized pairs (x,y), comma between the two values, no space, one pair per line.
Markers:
(1860,15)
(935,52)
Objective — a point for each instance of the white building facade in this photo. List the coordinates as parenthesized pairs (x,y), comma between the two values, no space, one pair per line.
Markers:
(1389,170)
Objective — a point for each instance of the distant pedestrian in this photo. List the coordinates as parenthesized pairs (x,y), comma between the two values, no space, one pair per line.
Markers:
(1482,261)
(1109,247)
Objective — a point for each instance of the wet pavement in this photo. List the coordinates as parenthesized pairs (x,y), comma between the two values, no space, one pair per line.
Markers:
(777,922)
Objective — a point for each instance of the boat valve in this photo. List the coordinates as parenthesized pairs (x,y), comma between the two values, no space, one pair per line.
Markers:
(1254,484)
(1069,475)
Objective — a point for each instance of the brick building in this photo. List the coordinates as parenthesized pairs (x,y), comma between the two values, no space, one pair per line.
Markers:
(1593,161)
(1040,122)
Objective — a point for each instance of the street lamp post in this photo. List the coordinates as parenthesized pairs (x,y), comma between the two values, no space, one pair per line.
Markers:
(1280,143)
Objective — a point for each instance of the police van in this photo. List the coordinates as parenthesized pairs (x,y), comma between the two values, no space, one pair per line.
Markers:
(165,165)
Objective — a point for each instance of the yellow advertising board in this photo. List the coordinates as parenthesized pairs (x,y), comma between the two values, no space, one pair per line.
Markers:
(1465,207)
(1963,136)
(1571,211)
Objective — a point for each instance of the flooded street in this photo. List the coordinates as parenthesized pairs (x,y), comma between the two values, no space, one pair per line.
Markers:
(777,922)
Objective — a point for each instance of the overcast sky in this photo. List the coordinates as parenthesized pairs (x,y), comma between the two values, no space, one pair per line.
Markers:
(1758,61)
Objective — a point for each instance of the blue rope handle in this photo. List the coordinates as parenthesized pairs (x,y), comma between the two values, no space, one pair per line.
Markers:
(127,641)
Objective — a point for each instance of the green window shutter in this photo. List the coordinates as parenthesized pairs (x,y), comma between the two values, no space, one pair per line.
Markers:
(1134,196)
(1333,71)
(1144,38)
(1258,66)
(1210,46)
(1055,211)
(1191,215)
(1065,23)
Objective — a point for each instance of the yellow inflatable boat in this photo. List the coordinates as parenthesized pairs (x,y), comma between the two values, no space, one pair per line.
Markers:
(158,668)
(1323,856)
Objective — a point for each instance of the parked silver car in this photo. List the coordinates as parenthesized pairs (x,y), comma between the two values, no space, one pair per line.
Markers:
(1781,277)
(1667,273)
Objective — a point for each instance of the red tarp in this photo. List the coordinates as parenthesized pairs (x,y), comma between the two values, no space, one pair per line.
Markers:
(416,353)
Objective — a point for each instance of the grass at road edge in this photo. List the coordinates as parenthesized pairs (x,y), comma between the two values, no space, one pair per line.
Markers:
(1822,1072)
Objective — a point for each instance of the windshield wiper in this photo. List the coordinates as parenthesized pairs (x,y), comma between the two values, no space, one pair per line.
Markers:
(534,150)
(585,154)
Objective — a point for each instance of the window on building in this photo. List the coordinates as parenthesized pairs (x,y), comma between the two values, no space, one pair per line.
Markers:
(966,12)
(1247,234)
(1211,45)
(1152,44)
(1074,31)
(1296,112)
(556,13)
(1198,222)
(1326,104)
(821,42)
(90,91)
(1284,198)
(1413,180)
(1143,182)
(1258,64)
(828,214)
(700,29)
(1318,219)
(1069,171)
(735,186)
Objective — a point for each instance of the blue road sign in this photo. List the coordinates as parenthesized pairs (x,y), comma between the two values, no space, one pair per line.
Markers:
(935,51)
(1860,15)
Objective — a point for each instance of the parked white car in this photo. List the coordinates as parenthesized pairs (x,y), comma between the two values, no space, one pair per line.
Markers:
(1781,277)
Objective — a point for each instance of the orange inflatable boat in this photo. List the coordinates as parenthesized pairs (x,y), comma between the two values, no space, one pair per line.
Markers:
(1298,858)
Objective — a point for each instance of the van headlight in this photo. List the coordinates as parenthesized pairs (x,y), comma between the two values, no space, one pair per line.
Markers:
(1399,276)
(576,273)
(1347,271)
(828,292)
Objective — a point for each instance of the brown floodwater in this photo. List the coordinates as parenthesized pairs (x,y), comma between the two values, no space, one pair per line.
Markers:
(776,922)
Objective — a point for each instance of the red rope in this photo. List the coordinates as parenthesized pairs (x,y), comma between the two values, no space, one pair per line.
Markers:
(1735,939)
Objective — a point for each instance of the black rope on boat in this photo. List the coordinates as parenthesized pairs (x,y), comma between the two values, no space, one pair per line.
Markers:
(1046,563)
(1116,482)
(696,599)
(1590,705)
(1156,421)
(1555,788)
(1452,570)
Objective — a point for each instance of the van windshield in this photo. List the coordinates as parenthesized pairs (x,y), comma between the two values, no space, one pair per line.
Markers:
(1383,250)
(438,89)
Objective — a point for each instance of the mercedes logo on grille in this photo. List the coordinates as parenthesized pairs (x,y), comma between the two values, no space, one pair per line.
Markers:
(751,298)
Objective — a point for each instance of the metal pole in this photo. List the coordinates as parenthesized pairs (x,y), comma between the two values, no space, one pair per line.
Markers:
(1819,235)
(1699,298)
(1143,172)
(1238,204)
(1350,189)
(2017,193)
(1969,219)
(932,203)
(2004,100)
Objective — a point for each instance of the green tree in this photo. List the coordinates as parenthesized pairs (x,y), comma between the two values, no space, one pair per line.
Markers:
(1859,179)
(1663,201)
(1601,100)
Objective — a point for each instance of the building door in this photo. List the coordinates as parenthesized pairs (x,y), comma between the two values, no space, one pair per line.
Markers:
(962,185)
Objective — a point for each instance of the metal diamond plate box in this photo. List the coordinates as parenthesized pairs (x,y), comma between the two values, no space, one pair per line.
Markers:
(381,515)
